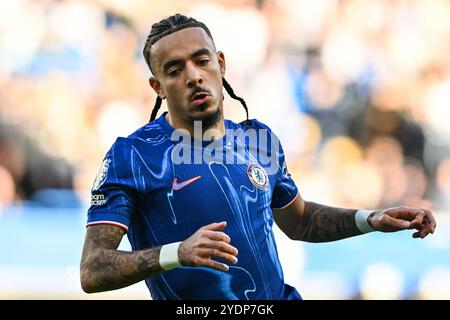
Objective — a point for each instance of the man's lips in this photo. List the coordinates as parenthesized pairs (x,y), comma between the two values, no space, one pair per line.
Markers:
(200,98)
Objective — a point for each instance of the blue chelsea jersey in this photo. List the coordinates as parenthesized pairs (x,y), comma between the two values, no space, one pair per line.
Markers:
(144,188)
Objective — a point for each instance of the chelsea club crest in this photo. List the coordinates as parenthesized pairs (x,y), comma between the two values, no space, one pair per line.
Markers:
(258,177)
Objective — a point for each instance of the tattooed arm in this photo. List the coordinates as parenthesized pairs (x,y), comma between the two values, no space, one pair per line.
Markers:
(104,268)
(312,222)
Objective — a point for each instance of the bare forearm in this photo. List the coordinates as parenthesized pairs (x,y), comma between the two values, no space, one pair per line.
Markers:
(104,268)
(323,223)
(107,269)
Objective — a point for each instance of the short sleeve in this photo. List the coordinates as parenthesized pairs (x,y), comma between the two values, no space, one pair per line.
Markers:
(285,190)
(113,194)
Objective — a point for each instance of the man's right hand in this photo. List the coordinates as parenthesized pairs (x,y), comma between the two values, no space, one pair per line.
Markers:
(206,243)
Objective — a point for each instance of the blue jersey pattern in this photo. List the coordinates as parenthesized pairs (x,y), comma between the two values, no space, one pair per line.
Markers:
(159,201)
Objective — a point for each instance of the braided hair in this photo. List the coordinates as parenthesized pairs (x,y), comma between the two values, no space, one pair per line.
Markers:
(170,25)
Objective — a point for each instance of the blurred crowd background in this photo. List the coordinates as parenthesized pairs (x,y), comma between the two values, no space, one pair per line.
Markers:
(357,91)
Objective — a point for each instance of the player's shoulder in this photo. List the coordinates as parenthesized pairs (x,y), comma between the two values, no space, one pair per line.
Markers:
(148,132)
(147,135)
(248,124)
(151,134)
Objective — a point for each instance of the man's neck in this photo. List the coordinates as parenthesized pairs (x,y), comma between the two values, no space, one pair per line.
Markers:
(217,131)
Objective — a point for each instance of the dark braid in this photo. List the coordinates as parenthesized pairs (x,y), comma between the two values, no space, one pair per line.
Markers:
(156,108)
(230,91)
(170,25)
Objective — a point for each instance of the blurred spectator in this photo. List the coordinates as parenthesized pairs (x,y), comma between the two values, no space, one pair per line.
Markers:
(30,167)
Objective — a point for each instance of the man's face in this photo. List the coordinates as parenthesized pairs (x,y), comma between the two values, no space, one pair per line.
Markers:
(188,73)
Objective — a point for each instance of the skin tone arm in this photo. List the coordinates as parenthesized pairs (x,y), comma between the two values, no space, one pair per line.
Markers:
(104,268)
(312,222)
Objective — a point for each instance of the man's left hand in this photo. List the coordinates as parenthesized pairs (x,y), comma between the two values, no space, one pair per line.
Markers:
(402,218)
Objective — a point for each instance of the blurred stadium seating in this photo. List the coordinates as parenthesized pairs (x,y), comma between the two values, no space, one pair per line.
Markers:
(358,92)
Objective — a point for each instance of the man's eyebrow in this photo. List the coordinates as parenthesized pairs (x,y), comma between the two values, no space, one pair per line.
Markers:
(201,52)
(195,54)
(171,63)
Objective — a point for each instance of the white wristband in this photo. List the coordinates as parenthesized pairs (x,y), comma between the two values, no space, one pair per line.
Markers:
(361,221)
(168,256)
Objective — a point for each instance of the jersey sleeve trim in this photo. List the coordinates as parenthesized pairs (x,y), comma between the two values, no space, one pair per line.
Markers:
(108,222)
(289,203)
(108,218)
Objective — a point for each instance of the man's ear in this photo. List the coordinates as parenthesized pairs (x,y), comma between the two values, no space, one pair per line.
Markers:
(221,58)
(156,85)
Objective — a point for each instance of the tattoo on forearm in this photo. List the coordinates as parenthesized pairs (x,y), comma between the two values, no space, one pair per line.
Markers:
(325,223)
(106,268)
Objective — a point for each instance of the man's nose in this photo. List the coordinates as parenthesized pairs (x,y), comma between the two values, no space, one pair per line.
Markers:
(193,76)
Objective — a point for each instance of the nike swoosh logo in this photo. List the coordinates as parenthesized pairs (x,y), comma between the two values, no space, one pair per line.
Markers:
(180,185)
